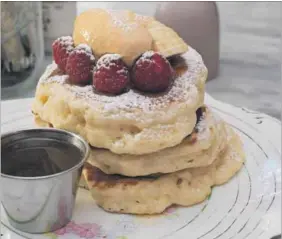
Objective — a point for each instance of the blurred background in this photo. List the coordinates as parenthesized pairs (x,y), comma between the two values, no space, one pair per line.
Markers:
(240,43)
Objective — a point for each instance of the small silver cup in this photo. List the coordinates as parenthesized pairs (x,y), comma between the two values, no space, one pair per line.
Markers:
(40,172)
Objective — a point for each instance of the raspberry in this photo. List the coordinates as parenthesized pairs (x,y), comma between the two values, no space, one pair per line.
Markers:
(152,73)
(62,47)
(80,65)
(111,74)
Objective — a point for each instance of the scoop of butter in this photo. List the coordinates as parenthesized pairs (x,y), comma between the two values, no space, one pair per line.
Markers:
(112,32)
(126,33)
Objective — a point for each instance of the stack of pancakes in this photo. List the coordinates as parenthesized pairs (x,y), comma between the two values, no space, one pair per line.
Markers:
(148,151)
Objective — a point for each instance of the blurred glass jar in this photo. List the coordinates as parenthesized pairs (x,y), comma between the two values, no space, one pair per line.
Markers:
(22,46)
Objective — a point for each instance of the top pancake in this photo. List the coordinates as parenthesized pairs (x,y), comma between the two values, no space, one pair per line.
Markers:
(131,123)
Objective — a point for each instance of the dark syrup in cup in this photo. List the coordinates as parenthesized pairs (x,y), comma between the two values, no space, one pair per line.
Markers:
(38,158)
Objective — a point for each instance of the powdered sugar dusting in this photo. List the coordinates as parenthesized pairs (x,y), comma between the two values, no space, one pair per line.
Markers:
(120,19)
(141,18)
(48,76)
(183,93)
(66,41)
(203,128)
(208,120)
(124,26)
(146,57)
(122,71)
(66,38)
(84,48)
(148,54)
(107,60)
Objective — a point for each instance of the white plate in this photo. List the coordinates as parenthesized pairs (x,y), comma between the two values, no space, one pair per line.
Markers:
(246,207)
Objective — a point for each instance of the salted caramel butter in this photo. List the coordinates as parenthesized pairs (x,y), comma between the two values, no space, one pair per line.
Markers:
(125,33)
(116,32)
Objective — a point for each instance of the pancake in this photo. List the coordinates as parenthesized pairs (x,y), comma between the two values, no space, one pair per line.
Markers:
(153,194)
(198,149)
(130,123)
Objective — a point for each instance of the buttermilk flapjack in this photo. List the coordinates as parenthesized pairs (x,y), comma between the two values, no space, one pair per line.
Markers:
(129,123)
(200,148)
(153,194)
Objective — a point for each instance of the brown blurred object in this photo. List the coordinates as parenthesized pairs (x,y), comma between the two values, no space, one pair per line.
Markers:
(198,24)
